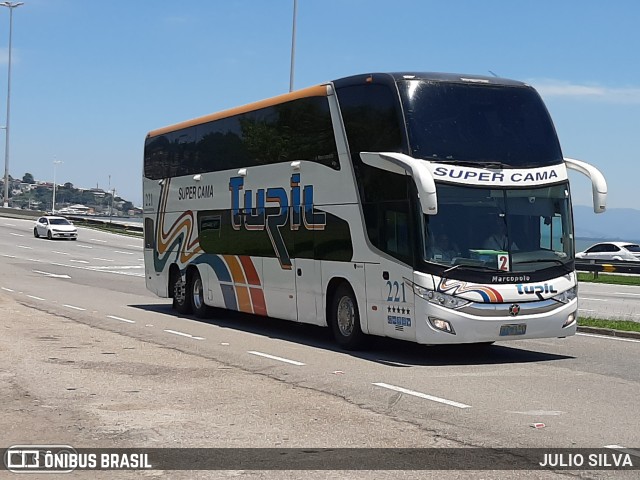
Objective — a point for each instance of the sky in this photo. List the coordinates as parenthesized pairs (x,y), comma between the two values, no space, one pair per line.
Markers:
(90,78)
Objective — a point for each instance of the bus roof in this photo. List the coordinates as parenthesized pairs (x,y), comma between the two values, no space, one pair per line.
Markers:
(321,90)
(315,91)
(393,77)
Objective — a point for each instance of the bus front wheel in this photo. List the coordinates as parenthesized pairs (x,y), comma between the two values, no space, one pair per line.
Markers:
(345,319)
(196,292)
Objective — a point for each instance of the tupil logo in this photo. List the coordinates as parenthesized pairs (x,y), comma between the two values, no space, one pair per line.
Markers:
(537,290)
(294,207)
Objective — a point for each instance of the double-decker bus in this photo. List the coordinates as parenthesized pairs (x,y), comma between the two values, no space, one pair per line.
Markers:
(428,207)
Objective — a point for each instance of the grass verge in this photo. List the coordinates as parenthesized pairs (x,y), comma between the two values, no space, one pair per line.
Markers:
(626,325)
(610,279)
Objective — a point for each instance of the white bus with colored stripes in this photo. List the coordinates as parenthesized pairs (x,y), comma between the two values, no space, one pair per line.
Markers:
(428,207)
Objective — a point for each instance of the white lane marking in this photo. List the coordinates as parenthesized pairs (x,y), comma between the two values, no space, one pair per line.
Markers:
(79,261)
(7,289)
(52,275)
(585,310)
(8,256)
(273,357)
(98,269)
(74,307)
(124,253)
(60,253)
(121,267)
(422,395)
(593,299)
(84,246)
(539,412)
(133,246)
(25,247)
(630,451)
(96,240)
(182,334)
(625,294)
(35,298)
(609,337)
(103,259)
(120,319)
(9,225)
(16,234)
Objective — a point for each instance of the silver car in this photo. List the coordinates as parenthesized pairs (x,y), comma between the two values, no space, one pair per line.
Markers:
(54,227)
(613,251)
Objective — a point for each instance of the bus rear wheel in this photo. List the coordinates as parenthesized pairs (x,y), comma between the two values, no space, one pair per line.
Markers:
(179,288)
(345,319)
(196,294)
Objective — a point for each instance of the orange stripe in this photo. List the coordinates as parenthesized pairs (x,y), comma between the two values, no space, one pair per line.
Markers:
(242,292)
(317,91)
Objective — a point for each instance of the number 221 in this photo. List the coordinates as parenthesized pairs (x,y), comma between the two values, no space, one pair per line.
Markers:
(394,296)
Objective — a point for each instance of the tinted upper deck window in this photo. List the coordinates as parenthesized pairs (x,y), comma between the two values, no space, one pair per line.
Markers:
(484,123)
(297,130)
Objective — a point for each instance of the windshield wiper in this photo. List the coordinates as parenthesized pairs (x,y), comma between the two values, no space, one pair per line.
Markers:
(476,267)
(542,260)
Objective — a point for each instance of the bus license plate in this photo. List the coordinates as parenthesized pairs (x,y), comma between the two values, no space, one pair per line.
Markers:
(513,329)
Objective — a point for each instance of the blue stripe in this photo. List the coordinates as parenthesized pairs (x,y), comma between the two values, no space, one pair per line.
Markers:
(222,272)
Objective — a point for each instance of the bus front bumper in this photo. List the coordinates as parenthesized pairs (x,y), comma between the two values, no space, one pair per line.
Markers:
(479,323)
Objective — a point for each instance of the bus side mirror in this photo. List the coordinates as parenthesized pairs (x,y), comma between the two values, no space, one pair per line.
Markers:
(598,182)
(404,164)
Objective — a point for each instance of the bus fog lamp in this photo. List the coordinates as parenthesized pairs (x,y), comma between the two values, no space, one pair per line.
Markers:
(570,319)
(442,325)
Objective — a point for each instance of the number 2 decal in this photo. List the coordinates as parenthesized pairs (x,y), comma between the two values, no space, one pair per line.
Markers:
(394,292)
(503,262)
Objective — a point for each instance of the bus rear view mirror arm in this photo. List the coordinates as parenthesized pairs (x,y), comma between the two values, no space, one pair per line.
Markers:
(403,164)
(598,182)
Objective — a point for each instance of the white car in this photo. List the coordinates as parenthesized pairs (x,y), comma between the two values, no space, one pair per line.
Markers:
(54,227)
(613,251)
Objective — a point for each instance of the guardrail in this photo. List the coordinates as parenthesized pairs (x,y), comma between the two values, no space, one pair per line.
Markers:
(596,266)
(113,223)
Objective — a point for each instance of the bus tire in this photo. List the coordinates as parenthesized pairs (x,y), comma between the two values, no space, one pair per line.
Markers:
(181,301)
(345,319)
(196,295)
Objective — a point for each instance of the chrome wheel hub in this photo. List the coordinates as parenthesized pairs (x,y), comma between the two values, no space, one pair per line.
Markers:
(346,316)
(198,294)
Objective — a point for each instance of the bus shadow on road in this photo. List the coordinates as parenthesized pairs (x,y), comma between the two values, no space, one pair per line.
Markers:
(386,351)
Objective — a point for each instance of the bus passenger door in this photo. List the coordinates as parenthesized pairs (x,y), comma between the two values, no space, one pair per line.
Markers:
(397,296)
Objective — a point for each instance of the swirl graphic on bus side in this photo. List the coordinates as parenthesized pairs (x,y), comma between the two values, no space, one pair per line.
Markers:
(452,287)
(179,234)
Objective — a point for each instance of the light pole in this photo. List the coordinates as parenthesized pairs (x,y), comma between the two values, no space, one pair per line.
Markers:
(293,43)
(10,6)
(53,203)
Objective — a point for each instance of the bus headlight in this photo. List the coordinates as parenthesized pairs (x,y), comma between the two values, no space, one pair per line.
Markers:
(439,298)
(567,295)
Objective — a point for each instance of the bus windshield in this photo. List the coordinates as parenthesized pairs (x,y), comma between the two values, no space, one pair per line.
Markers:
(524,230)
(467,122)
